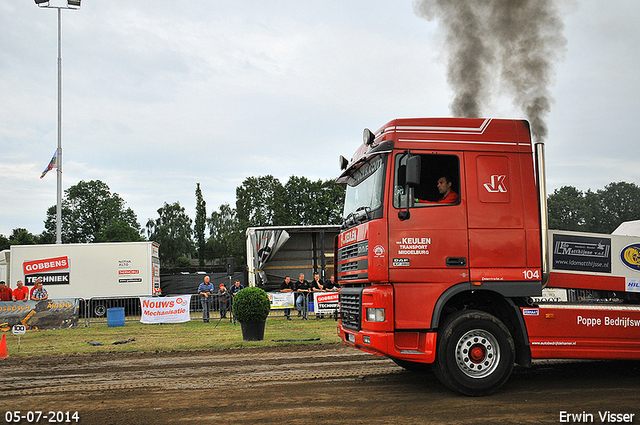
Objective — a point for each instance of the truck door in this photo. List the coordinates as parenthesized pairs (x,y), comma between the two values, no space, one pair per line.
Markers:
(428,251)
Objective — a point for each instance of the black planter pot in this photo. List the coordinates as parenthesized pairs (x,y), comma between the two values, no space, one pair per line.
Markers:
(252,331)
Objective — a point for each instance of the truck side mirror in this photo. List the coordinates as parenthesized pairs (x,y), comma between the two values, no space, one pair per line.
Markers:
(412,179)
(413,171)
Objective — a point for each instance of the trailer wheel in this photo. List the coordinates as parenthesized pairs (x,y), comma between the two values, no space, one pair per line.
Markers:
(475,353)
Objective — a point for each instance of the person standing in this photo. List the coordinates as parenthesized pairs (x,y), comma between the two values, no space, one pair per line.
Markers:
(287,286)
(237,287)
(316,284)
(34,287)
(40,293)
(6,294)
(301,289)
(205,289)
(223,299)
(331,285)
(21,293)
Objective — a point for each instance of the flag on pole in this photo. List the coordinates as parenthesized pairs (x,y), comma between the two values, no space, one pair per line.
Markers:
(52,164)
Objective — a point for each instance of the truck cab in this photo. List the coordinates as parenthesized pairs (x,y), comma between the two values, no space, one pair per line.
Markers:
(444,253)
(409,261)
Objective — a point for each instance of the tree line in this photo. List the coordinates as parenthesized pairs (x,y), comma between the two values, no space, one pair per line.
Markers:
(92,213)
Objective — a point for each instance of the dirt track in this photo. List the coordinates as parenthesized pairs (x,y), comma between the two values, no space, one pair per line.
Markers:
(305,384)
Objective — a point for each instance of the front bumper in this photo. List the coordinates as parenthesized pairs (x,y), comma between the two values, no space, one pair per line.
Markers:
(405,345)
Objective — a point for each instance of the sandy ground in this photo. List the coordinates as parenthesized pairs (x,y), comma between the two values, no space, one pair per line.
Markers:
(303,384)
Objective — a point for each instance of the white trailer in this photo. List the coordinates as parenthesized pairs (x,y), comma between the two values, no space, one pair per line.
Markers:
(97,273)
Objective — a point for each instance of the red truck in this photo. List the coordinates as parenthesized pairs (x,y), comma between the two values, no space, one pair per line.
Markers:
(444,253)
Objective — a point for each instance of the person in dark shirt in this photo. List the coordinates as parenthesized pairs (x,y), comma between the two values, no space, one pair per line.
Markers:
(331,285)
(301,289)
(237,287)
(223,300)
(287,286)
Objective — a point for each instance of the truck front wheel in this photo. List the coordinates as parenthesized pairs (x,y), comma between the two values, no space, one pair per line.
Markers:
(475,353)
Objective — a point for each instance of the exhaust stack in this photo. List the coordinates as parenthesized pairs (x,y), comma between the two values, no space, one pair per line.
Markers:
(544,219)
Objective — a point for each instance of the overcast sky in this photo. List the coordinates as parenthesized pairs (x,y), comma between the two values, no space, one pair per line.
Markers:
(158,96)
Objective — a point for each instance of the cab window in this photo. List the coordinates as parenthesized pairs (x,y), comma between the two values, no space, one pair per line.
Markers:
(439,181)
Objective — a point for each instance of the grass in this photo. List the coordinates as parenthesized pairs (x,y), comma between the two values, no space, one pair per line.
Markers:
(193,335)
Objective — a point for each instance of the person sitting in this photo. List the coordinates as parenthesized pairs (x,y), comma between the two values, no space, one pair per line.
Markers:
(447,195)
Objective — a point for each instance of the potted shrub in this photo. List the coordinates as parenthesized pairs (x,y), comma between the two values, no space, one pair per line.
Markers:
(251,307)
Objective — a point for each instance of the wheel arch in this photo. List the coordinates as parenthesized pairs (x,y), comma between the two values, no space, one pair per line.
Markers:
(498,300)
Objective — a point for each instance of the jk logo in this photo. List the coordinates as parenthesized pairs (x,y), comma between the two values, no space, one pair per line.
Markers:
(497,184)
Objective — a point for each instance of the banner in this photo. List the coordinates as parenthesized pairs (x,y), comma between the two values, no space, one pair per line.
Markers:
(165,309)
(582,253)
(281,300)
(325,302)
(46,314)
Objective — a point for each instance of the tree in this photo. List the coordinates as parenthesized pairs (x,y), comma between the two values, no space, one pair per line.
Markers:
(172,230)
(260,202)
(314,203)
(200,225)
(21,236)
(119,231)
(601,211)
(615,204)
(88,210)
(225,237)
(4,243)
(566,208)
(263,201)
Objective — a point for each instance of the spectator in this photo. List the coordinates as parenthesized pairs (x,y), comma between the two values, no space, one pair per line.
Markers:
(6,294)
(316,284)
(21,293)
(331,285)
(223,299)
(302,289)
(205,289)
(39,293)
(287,286)
(236,288)
(34,287)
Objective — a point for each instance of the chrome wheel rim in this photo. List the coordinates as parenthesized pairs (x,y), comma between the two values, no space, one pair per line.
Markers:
(477,353)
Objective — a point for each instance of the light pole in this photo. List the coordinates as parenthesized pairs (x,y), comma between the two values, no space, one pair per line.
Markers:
(71,4)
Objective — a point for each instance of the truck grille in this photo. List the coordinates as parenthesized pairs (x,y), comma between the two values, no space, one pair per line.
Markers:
(355,250)
(351,307)
(357,268)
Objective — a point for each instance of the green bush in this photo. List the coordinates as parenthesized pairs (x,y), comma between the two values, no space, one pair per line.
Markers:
(182,262)
(251,305)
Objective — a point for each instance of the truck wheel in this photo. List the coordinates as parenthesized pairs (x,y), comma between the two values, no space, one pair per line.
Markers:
(475,353)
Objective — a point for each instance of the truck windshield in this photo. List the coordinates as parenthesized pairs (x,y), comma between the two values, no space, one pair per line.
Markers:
(364,193)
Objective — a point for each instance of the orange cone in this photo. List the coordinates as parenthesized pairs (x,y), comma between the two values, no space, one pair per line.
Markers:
(3,348)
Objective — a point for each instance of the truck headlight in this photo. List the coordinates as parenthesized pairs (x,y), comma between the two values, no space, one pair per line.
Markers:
(375,314)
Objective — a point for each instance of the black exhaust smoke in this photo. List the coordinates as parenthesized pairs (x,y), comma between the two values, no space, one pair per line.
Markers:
(509,43)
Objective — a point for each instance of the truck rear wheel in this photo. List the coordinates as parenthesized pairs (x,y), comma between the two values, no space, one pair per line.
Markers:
(475,353)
